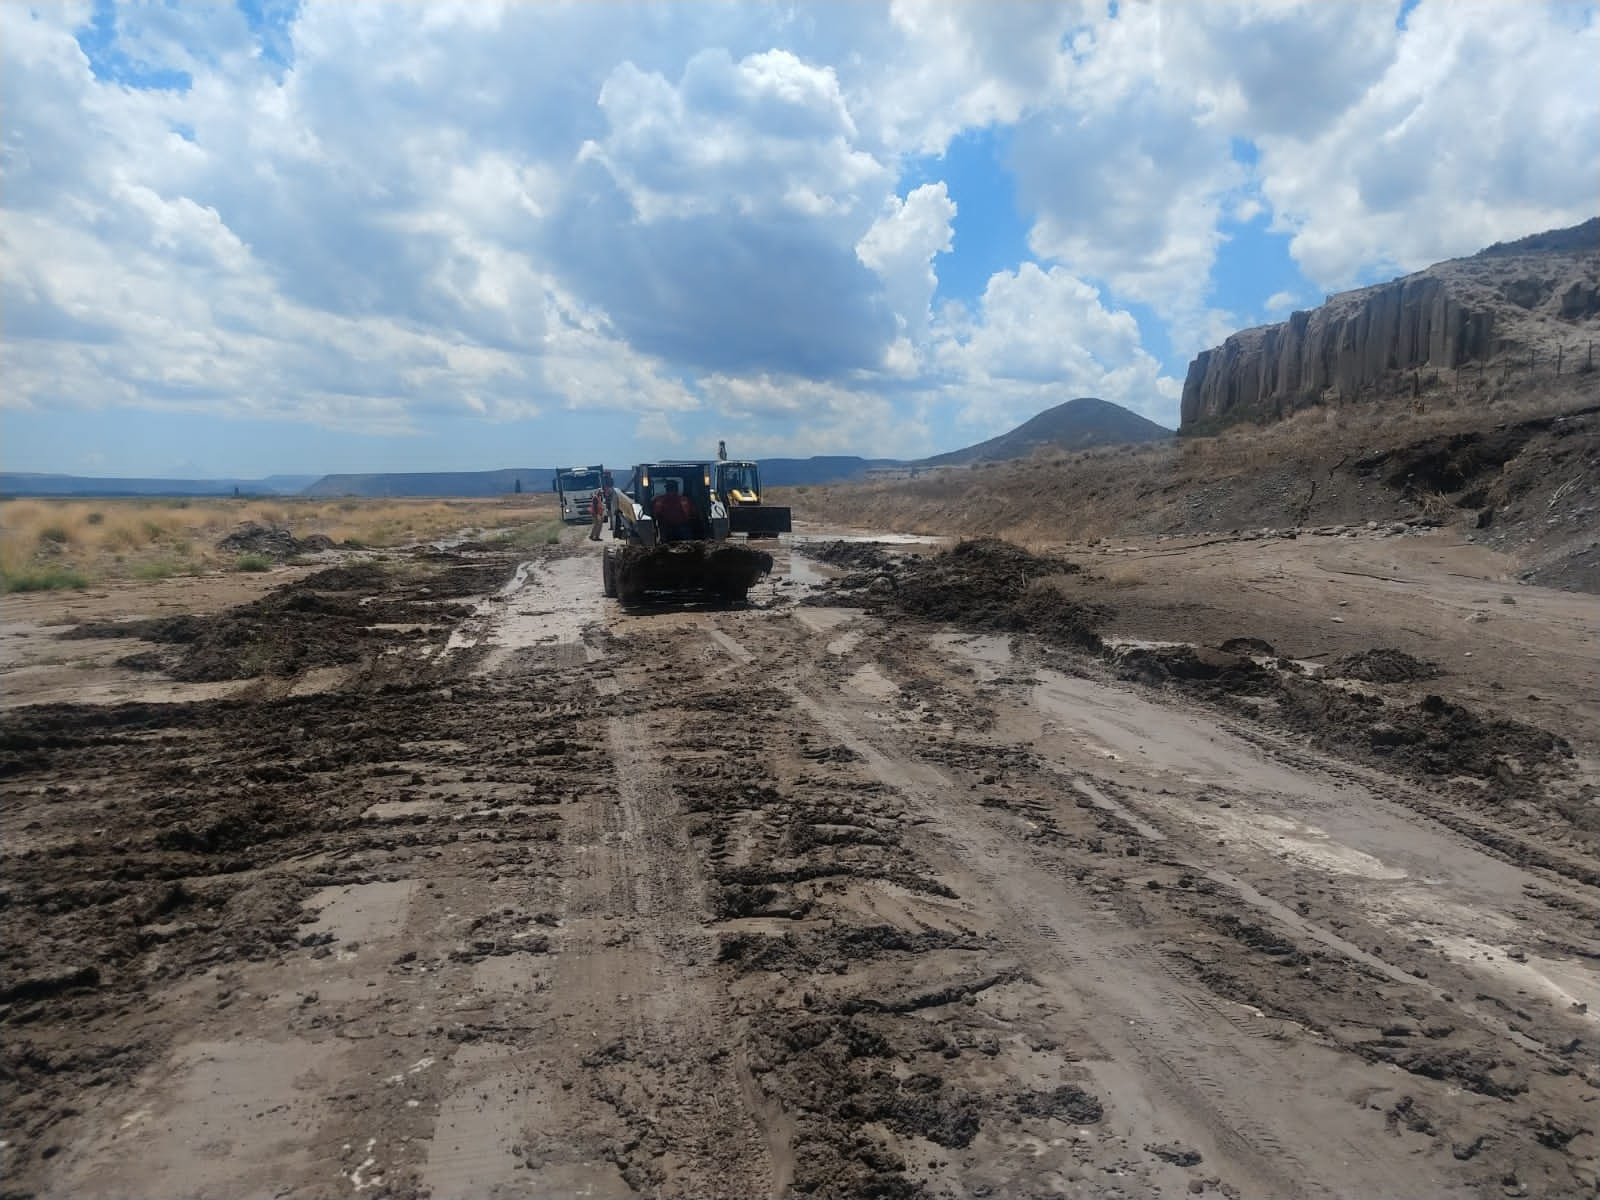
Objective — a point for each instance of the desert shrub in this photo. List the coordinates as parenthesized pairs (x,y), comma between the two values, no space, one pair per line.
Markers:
(41,579)
(55,535)
(162,568)
(252,562)
(96,518)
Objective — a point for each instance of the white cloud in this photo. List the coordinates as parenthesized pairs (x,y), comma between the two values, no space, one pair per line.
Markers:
(1483,127)
(901,245)
(1043,337)
(955,66)
(1280,302)
(371,214)
(767,135)
(782,416)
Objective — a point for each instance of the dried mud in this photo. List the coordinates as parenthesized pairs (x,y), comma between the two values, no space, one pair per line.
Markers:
(337,617)
(772,902)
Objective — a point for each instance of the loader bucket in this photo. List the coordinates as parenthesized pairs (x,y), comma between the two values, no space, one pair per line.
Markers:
(767,520)
(720,571)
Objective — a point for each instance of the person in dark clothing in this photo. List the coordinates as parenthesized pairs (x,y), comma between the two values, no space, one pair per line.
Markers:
(673,514)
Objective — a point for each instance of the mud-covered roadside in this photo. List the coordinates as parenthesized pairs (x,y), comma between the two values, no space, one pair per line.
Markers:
(357,613)
(147,845)
(502,889)
(1382,707)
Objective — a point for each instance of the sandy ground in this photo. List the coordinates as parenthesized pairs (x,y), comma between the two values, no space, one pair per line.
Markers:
(489,888)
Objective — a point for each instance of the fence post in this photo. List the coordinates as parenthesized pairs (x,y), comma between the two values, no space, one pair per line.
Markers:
(1560,350)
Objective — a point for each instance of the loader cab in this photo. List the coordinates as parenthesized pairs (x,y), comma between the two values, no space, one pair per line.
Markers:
(739,483)
(738,486)
(651,481)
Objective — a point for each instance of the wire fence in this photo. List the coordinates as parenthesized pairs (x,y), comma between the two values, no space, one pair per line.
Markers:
(1519,366)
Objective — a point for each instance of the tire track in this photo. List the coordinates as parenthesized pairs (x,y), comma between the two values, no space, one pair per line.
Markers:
(1271,1095)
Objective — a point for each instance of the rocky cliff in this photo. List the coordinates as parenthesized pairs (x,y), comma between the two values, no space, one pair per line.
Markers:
(1536,294)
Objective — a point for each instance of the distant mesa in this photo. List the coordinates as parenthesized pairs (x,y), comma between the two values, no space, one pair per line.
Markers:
(1518,299)
(23,483)
(435,484)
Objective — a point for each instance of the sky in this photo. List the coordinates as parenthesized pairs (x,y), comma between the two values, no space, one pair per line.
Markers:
(280,237)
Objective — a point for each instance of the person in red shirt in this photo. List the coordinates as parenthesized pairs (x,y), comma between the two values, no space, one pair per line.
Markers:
(673,514)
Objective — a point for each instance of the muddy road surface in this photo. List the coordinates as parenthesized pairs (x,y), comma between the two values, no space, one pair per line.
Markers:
(444,876)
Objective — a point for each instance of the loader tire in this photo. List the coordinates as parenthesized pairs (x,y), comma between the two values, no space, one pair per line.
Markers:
(608,575)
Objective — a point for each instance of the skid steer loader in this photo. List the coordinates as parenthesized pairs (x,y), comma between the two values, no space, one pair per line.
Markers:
(669,530)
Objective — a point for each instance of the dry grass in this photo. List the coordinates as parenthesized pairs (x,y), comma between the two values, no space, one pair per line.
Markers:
(52,543)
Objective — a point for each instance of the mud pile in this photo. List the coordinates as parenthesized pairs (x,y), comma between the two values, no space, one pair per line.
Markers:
(1381,666)
(272,540)
(985,583)
(722,570)
(343,615)
(862,556)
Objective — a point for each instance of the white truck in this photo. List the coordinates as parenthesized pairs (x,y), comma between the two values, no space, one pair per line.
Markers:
(574,487)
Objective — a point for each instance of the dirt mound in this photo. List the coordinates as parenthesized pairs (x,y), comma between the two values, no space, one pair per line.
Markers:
(272,540)
(985,583)
(723,570)
(860,555)
(1381,666)
(1217,671)
(1247,645)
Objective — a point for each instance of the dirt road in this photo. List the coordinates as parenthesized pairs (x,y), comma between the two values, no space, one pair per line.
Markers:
(489,888)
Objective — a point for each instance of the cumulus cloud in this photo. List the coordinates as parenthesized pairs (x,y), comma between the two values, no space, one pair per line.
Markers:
(716,220)
(1483,127)
(1041,337)
(900,246)
(731,216)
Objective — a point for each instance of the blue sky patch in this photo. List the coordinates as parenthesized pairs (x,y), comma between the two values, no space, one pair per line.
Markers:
(989,232)
(110,62)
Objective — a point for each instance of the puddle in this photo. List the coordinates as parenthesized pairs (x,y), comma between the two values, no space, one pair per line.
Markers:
(870,681)
(363,912)
(989,653)
(1294,840)
(1564,983)
(845,643)
(400,810)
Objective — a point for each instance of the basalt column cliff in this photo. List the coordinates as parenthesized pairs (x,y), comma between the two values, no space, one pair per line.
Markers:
(1534,295)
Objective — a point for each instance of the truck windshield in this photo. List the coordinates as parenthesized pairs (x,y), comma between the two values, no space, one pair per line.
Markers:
(573,480)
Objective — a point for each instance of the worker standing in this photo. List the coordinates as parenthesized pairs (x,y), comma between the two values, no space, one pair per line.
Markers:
(597,513)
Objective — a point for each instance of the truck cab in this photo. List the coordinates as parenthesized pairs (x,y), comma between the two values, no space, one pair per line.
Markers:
(574,488)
